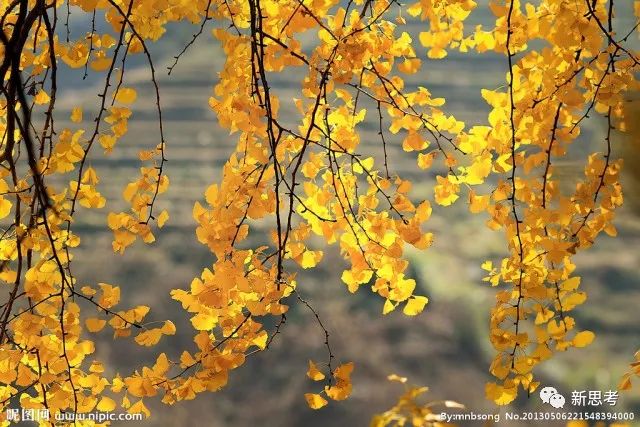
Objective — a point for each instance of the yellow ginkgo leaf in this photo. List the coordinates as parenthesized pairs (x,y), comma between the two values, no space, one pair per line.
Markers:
(76,115)
(162,218)
(499,394)
(203,322)
(106,404)
(149,338)
(395,377)
(342,389)
(261,340)
(126,95)
(415,305)
(107,142)
(625,383)
(94,324)
(314,373)
(478,203)
(100,64)
(168,328)
(5,207)
(310,259)
(388,307)
(315,401)
(41,98)
(583,339)
(138,408)
(88,291)
(426,160)
(110,295)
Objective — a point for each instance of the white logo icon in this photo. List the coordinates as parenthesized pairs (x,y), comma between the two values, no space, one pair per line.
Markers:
(557,401)
(546,393)
(551,396)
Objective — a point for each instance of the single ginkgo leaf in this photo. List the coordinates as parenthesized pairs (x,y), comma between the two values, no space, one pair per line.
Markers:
(415,305)
(583,339)
(149,338)
(94,324)
(314,373)
(126,95)
(315,401)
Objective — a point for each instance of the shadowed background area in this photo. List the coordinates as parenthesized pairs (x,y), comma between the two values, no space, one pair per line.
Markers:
(446,347)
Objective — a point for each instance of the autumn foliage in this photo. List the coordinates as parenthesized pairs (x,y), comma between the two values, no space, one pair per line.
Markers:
(304,175)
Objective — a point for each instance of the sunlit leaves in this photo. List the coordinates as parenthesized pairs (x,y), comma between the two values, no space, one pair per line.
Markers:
(533,119)
(151,337)
(415,305)
(163,218)
(314,373)
(76,55)
(411,409)
(625,382)
(76,115)
(339,387)
(109,296)
(5,207)
(583,339)
(95,325)
(126,95)
(304,171)
(315,401)
(41,98)
(106,404)
(501,394)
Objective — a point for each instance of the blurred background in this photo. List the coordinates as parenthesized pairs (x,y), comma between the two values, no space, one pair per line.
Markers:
(446,347)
